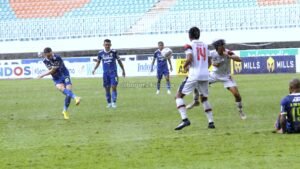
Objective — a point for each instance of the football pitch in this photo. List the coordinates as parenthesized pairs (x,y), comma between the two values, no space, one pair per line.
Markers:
(140,133)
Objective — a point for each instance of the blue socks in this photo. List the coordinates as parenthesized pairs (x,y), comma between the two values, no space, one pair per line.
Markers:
(67,103)
(114,96)
(69,93)
(108,96)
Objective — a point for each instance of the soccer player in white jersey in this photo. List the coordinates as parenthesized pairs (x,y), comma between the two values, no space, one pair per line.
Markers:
(197,65)
(220,59)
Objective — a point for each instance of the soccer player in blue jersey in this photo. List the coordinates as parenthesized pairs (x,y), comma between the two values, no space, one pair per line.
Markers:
(162,55)
(109,57)
(288,120)
(61,77)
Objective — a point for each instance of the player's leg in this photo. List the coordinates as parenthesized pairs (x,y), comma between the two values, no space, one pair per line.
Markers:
(203,92)
(211,79)
(196,100)
(73,95)
(231,85)
(184,88)
(168,83)
(107,86)
(159,77)
(114,83)
(238,99)
(167,76)
(61,87)
(277,125)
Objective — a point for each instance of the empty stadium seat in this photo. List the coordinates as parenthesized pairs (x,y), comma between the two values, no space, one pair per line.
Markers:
(30,19)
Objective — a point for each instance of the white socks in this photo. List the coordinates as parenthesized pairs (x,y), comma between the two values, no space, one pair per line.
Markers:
(208,111)
(181,108)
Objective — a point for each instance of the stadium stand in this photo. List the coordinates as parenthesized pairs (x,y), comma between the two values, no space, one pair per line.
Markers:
(26,20)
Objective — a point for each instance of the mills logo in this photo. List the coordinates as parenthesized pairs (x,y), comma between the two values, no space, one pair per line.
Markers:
(238,67)
(270,64)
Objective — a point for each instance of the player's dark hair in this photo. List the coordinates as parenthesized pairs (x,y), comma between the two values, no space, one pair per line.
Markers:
(295,83)
(218,43)
(47,50)
(194,33)
(107,40)
(160,43)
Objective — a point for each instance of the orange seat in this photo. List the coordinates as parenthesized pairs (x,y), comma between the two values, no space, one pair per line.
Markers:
(275,2)
(33,8)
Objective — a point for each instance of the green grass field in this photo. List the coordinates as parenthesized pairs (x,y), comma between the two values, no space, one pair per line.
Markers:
(140,134)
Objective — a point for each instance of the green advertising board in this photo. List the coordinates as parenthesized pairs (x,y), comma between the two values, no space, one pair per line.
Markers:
(269,52)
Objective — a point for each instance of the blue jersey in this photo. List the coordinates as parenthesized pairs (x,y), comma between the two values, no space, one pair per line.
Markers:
(57,62)
(290,105)
(109,60)
(161,60)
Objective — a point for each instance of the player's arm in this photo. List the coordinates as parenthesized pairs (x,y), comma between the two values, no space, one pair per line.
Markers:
(282,121)
(153,61)
(51,67)
(49,72)
(189,56)
(96,66)
(122,67)
(170,63)
(232,56)
(189,59)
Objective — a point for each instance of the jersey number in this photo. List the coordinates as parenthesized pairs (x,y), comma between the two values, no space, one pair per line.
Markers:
(201,52)
(296,113)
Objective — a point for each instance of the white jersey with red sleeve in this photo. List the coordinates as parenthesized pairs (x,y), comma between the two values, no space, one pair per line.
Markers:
(198,69)
(223,61)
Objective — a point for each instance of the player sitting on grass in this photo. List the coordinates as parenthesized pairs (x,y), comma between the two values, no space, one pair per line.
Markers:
(61,77)
(288,120)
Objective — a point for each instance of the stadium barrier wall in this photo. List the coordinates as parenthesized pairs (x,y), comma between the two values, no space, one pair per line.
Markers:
(254,61)
(78,67)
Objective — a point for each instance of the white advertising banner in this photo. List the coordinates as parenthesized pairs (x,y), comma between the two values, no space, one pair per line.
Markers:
(78,67)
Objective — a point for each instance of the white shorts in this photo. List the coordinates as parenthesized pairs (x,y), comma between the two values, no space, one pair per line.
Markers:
(225,79)
(188,86)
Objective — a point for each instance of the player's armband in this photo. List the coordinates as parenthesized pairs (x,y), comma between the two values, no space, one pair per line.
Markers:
(187,46)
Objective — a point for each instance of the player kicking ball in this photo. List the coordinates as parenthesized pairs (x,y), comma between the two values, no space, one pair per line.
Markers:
(109,57)
(162,55)
(197,66)
(220,59)
(61,77)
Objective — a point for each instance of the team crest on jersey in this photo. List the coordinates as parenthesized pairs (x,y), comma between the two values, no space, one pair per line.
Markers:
(238,67)
(270,64)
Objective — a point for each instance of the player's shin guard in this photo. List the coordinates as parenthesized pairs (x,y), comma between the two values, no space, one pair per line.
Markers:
(181,108)
(67,103)
(108,96)
(114,96)
(208,111)
(69,93)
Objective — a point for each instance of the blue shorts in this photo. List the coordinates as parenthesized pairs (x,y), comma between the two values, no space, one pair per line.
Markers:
(162,72)
(110,79)
(66,80)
